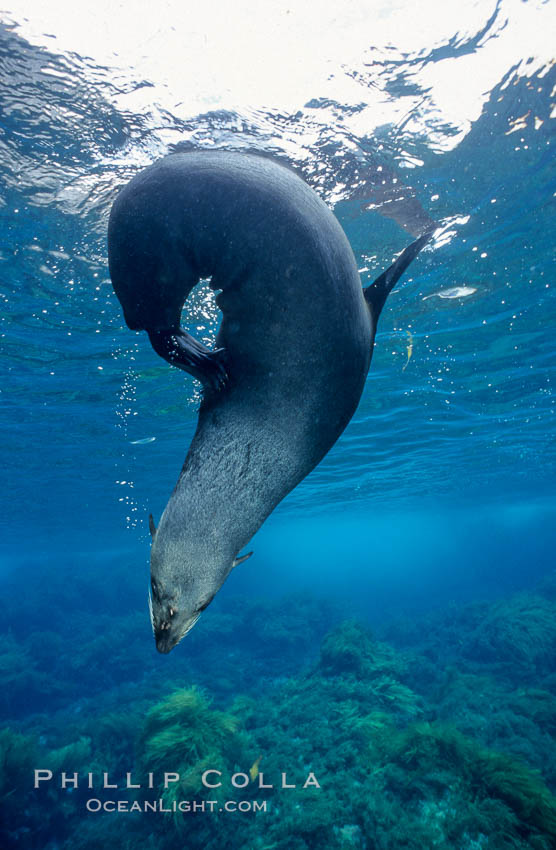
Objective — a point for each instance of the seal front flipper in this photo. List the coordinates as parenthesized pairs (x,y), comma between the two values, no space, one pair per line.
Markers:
(182,350)
(377,293)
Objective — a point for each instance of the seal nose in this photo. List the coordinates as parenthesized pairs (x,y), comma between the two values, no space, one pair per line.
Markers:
(163,645)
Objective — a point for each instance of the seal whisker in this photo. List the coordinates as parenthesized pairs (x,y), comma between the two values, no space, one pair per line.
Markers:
(190,626)
(151,610)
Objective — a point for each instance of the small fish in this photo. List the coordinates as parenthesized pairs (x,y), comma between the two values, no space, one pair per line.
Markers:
(254,769)
(409,349)
(143,441)
(453,292)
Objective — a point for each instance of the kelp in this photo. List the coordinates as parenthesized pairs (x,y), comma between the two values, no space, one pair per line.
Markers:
(351,649)
(537,704)
(185,735)
(185,728)
(426,750)
(520,633)
(18,756)
(366,671)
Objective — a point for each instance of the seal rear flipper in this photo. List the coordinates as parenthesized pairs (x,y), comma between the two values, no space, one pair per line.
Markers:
(377,293)
(182,350)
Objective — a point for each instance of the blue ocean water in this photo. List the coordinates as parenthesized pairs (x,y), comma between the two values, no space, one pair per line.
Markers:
(439,496)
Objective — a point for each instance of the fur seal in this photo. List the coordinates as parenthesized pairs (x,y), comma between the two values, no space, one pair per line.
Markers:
(292,352)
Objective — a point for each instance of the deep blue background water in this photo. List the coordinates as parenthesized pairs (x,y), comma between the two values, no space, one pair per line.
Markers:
(442,486)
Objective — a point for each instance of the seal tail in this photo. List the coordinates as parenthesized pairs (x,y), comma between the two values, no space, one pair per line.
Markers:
(377,293)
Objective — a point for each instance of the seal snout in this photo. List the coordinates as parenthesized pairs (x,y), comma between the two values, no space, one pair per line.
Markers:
(164,643)
(164,634)
(164,615)
(171,628)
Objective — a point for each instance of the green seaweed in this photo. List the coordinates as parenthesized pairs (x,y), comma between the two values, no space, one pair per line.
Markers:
(185,735)
(350,649)
(71,758)
(18,757)
(427,749)
(184,728)
(520,632)
(366,671)
(537,704)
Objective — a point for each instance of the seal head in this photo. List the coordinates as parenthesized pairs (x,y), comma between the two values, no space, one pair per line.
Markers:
(183,584)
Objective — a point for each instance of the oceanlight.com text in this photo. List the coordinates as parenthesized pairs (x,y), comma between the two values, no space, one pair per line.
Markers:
(191,806)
